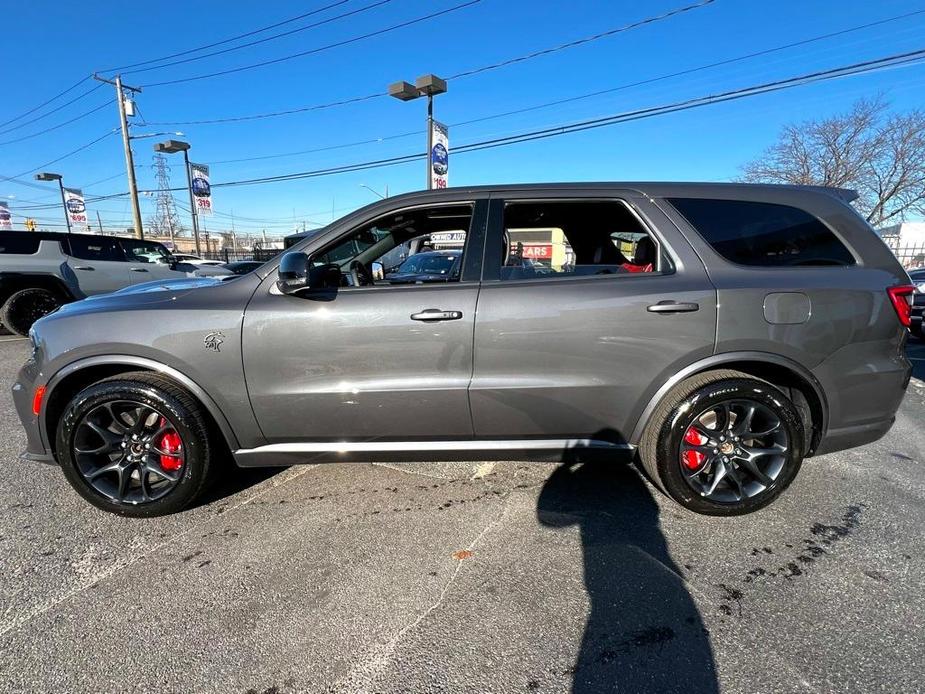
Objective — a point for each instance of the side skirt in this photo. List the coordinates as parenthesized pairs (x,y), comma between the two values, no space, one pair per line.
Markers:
(561,450)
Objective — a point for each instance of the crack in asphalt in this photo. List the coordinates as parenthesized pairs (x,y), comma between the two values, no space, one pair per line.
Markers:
(359,680)
(18,621)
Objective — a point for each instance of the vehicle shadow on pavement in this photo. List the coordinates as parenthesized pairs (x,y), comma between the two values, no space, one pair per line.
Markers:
(234,480)
(644,632)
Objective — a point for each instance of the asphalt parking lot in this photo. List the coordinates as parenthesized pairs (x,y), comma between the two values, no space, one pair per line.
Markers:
(474,577)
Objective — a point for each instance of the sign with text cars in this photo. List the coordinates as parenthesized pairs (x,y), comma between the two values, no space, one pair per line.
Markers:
(202,189)
(439,155)
(75,206)
(6,219)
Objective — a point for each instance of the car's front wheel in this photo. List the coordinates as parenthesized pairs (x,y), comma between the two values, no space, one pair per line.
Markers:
(723,443)
(135,444)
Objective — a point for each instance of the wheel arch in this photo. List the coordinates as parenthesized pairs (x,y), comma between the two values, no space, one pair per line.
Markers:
(72,378)
(13,282)
(795,379)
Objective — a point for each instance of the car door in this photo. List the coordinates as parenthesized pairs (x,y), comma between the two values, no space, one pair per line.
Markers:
(366,363)
(148,261)
(98,263)
(573,343)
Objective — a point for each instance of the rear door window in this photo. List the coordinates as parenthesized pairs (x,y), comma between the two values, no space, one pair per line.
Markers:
(763,234)
(93,248)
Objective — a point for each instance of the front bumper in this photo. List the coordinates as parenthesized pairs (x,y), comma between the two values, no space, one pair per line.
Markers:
(23,390)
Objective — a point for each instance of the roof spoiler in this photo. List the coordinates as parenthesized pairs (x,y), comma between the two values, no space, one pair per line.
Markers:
(843,194)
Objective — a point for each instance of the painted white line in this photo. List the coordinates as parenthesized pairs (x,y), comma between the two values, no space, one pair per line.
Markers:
(13,339)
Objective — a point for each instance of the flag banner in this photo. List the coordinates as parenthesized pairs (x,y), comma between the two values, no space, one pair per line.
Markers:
(439,155)
(75,206)
(202,189)
(6,219)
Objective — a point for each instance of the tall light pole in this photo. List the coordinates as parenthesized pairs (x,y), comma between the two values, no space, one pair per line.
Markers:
(376,192)
(425,85)
(47,176)
(126,143)
(172,147)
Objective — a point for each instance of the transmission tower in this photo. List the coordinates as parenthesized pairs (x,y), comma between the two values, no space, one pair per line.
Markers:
(165,221)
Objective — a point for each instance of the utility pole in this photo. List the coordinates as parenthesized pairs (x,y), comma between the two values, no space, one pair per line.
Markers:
(99,221)
(126,143)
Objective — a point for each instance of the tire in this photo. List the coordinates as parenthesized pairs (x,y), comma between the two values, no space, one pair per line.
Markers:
(677,443)
(119,399)
(25,307)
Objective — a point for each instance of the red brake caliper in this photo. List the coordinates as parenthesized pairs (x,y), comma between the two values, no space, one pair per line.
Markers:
(693,459)
(171,443)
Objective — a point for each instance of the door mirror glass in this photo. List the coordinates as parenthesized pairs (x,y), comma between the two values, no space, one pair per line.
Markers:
(378,270)
(297,273)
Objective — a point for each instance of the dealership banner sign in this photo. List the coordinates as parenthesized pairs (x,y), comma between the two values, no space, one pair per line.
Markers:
(75,206)
(6,219)
(202,189)
(439,155)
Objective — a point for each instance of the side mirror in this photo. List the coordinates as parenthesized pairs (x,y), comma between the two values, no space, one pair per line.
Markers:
(378,270)
(296,273)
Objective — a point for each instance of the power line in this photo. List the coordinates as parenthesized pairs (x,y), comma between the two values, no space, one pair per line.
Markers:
(522,58)
(360,10)
(65,156)
(582,41)
(54,110)
(45,103)
(778,85)
(59,125)
(580,97)
(319,49)
(253,32)
(895,60)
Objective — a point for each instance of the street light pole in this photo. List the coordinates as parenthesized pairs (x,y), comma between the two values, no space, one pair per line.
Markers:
(172,147)
(429,86)
(48,176)
(192,199)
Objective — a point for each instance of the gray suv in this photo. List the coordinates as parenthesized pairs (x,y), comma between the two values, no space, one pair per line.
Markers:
(40,271)
(718,334)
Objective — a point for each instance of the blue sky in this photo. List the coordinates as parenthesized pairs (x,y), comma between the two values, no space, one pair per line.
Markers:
(710,143)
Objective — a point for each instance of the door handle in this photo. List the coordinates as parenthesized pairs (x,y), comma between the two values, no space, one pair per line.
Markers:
(673,307)
(436,314)
(138,269)
(84,267)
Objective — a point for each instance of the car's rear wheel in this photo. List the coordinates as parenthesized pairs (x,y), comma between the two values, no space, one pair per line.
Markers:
(25,307)
(723,443)
(136,445)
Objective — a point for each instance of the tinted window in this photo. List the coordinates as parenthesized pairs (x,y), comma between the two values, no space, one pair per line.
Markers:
(759,233)
(91,248)
(19,244)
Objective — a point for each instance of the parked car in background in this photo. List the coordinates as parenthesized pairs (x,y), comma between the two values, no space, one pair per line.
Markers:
(769,327)
(242,267)
(191,259)
(430,266)
(40,271)
(917,276)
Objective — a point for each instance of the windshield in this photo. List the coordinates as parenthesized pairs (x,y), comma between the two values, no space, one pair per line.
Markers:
(427,264)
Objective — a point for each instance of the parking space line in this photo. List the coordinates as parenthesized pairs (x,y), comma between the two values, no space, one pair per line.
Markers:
(16,622)
(13,339)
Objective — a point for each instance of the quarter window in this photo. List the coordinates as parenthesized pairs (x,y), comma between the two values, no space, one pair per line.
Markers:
(551,240)
(763,234)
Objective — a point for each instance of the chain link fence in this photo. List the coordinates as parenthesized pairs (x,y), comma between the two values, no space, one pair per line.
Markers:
(911,256)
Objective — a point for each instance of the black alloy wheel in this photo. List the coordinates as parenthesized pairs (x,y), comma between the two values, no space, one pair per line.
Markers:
(723,443)
(136,444)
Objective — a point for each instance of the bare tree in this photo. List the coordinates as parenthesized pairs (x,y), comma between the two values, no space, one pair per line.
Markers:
(879,154)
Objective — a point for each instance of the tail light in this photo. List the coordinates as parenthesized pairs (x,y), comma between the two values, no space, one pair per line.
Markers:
(901,297)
